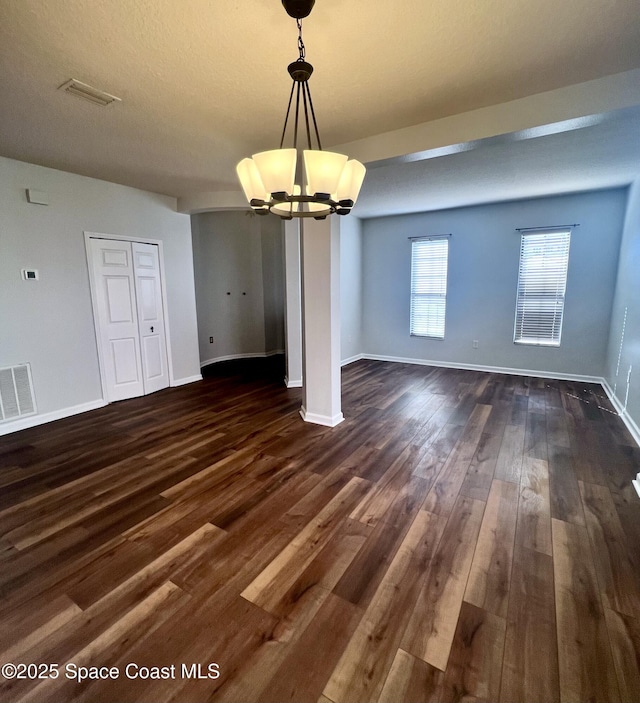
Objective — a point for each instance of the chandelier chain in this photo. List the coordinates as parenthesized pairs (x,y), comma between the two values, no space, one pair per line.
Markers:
(301,46)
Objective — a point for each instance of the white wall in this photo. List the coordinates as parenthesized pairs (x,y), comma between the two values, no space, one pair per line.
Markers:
(623,358)
(241,254)
(49,323)
(350,287)
(483,274)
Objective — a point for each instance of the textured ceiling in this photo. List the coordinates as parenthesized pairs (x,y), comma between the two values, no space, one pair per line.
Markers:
(203,82)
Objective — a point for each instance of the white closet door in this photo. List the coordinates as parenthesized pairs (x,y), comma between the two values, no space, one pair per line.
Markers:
(153,343)
(118,319)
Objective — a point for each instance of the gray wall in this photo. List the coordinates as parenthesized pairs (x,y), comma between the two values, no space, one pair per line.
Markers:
(483,274)
(623,358)
(271,241)
(350,287)
(238,253)
(49,322)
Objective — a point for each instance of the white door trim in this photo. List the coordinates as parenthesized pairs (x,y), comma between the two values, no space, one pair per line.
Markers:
(88,236)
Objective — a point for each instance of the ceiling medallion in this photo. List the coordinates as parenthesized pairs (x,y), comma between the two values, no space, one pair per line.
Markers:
(324,182)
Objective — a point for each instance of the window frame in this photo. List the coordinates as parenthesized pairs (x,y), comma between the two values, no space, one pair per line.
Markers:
(413,295)
(538,341)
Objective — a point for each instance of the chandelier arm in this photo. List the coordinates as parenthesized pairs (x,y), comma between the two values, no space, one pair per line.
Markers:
(313,115)
(295,133)
(286,119)
(306,116)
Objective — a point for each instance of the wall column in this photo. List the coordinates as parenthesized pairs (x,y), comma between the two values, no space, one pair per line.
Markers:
(321,397)
(293,304)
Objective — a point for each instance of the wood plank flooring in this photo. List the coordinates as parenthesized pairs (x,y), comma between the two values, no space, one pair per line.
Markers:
(461,536)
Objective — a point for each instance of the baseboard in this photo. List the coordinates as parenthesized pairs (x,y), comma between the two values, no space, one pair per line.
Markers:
(233,357)
(633,428)
(321,419)
(352,359)
(487,369)
(34,420)
(187,379)
(292,384)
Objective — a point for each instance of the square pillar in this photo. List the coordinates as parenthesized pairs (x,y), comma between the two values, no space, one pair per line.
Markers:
(293,304)
(321,398)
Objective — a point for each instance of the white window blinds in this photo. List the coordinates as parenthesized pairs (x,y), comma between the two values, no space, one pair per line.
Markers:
(429,259)
(542,280)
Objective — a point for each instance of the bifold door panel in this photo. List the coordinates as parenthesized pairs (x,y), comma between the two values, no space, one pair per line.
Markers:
(150,316)
(130,317)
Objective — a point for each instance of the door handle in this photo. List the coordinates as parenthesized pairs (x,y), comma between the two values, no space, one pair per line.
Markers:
(152,328)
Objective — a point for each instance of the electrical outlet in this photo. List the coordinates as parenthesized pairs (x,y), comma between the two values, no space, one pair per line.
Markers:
(474,344)
(210,340)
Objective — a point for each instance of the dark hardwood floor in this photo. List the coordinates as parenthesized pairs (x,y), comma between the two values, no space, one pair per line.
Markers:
(461,536)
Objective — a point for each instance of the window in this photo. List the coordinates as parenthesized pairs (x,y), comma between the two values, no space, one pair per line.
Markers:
(542,279)
(429,257)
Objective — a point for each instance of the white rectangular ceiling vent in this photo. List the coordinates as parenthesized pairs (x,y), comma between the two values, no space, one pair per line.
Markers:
(82,90)
(16,392)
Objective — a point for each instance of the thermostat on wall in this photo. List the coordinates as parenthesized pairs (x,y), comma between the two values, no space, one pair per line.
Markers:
(30,274)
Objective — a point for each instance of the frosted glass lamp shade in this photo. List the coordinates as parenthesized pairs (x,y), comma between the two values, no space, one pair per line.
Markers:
(323,169)
(250,180)
(351,181)
(277,169)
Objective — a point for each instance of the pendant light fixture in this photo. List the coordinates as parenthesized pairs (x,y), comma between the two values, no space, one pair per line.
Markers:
(322,182)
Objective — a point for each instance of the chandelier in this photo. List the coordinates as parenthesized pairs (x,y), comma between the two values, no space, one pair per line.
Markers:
(322,182)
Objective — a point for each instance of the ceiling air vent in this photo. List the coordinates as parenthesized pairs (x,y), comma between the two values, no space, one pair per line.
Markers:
(82,90)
